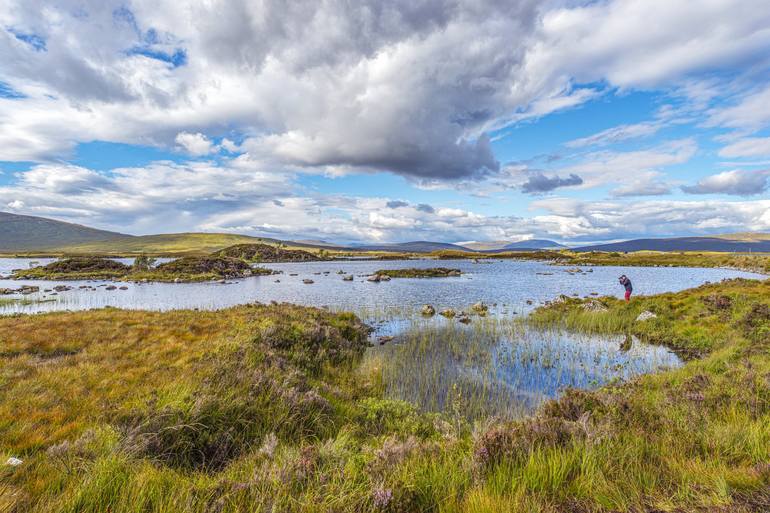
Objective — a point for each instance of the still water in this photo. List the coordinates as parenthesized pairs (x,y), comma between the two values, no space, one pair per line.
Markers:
(495,366)
(509,284)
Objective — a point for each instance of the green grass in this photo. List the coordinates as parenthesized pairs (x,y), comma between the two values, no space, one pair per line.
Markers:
(267,408)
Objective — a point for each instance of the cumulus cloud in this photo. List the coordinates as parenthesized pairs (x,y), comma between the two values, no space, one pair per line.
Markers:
(407,87)
(737,182)
(539,183)
(195,144)
(396,204)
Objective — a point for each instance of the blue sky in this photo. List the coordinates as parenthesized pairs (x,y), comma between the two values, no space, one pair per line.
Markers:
(573,121)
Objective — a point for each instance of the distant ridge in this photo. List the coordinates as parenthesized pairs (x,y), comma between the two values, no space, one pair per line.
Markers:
(30,233)
(504,245)
(419,246)
(717,243)
(533,244)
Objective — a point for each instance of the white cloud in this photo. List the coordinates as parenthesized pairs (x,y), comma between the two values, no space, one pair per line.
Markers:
(399,86)
(747,147)
(738,182)
(617,134)
(195,144)
(749,113)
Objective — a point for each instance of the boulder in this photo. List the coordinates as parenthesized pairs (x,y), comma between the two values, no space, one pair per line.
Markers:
(646,315)
(594,306)
(13,462)
(428,311)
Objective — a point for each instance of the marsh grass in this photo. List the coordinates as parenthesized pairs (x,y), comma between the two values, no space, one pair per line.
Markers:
(499,366)
(309,430)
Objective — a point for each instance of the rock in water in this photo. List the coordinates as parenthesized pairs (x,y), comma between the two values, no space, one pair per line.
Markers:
(348,277)
(307,281)
(375,278)
(428,311)
(448,313)
(480,308)
(464,319)
(646,315)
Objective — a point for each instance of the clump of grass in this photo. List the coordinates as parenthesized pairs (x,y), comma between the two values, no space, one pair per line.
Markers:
(430,272)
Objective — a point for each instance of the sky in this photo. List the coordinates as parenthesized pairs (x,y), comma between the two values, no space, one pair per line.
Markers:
(575,121)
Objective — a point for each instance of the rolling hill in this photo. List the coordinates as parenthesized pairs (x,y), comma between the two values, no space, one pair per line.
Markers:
(20,233)
(717,243)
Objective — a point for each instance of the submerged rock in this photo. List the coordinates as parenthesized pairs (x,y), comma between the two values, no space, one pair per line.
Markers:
(646,315)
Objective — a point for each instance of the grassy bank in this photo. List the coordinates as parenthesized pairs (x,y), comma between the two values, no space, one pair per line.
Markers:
(266,408)
(754,262)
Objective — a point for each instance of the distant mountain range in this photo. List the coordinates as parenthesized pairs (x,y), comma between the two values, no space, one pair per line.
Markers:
(26,234)
(504,245)
(419,246)
(720,244)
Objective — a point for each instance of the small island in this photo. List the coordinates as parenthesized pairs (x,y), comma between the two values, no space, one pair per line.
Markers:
(430,272)
(185,269)
(267,253)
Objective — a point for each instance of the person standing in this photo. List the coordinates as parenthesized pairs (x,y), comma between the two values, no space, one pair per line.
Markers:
(627,284)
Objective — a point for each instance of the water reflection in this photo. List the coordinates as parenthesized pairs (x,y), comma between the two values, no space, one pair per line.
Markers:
(503,368)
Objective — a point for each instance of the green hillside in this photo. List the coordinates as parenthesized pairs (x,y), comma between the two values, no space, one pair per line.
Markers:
(165,244)
(28,233)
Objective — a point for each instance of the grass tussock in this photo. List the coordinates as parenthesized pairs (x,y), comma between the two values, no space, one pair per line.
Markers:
(265,408)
